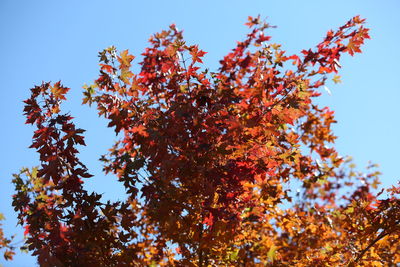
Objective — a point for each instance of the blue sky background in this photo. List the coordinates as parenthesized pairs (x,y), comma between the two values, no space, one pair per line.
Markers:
(59,40)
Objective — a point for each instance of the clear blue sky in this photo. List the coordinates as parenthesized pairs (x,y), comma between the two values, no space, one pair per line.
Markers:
(59,40)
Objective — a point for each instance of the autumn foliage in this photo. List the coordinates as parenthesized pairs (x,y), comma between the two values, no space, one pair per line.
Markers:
(210,162)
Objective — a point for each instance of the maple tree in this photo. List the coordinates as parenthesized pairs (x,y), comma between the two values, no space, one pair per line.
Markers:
(209,161)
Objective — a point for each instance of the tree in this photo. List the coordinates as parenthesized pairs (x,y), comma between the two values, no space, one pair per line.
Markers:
(208,160)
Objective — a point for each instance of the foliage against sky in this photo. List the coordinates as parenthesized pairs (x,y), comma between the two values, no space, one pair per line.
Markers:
(206,159)
(364,104)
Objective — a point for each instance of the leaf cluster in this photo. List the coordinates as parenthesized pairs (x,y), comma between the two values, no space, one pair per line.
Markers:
(208,161)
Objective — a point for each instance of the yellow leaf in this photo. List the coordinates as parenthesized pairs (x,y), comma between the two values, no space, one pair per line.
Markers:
(336,79)
(272,253)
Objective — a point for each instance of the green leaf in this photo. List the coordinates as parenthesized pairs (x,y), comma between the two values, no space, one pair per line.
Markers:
(272,253)
(234,255)
(349,210)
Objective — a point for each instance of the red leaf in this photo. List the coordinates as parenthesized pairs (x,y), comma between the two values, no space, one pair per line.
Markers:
(141,130)
(26,232)
(197,54)
(209,220)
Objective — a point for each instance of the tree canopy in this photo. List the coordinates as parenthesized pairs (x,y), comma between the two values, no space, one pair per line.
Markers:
(209,161)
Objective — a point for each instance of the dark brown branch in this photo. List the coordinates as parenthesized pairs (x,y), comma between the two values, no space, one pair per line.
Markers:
(379,237)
